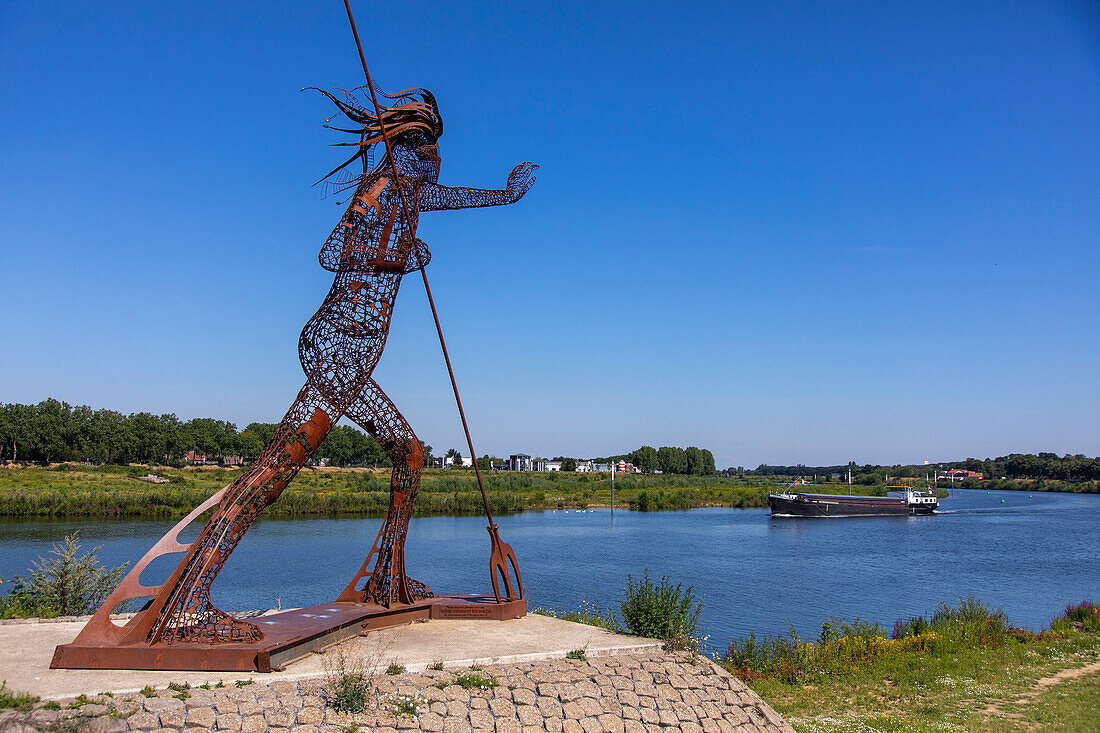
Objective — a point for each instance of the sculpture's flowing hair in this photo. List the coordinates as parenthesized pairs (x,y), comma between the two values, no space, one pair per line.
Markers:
(414,121)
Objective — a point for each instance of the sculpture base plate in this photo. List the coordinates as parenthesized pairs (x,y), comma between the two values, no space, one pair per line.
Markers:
(288,636)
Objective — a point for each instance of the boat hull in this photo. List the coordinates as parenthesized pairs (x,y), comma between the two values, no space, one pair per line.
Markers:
(801,505)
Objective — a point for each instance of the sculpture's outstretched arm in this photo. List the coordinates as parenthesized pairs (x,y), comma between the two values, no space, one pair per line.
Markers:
(434,197)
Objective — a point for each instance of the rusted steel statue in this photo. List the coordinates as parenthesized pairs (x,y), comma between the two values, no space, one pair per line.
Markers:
(372,247)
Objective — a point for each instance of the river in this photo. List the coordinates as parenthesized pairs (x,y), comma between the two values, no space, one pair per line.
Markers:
(1029,554)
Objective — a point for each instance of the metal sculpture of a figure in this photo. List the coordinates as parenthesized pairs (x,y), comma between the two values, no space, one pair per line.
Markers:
(370,250)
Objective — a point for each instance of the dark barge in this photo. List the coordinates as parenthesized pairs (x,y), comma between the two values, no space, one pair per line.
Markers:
(895,503)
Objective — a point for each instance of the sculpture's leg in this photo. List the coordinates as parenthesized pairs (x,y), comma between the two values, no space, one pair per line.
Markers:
(387,583)
(181,609)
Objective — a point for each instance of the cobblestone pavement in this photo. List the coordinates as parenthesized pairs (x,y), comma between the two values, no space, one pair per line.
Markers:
(627,693)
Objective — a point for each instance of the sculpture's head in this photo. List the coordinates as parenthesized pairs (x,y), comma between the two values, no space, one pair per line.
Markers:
(412,124)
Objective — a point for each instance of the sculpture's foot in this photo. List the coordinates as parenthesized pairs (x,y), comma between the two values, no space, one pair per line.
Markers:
(418,590)
(389,593)
(213,626)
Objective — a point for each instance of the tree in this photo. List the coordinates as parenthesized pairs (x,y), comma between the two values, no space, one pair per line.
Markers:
(427,453)
(645,459)
(485,463)
(51,428)
(672,460)
(569,464)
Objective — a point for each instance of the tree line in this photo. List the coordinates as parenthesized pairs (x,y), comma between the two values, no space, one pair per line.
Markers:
(53,431)
(1048,466)
(690,461)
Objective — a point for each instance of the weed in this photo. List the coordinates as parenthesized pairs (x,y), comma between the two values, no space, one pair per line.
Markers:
(179,686)
(219,685)
(13,699)
(407,704)
(438,666)
(577,654)
(80,701)
(149,691)
(474,679)
(395,669)
(348,683)
(52,705)
(243,683)
(661,611)
(204,686)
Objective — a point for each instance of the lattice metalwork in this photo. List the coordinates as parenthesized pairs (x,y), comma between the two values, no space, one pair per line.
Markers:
(369,251)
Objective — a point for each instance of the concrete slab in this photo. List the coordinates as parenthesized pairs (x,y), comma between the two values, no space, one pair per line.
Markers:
(27,648)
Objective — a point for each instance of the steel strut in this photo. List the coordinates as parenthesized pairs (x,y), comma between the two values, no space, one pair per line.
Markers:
(500,552)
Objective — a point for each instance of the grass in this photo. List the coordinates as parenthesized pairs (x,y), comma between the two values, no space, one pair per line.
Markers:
(395,669)
(578,654)
(76,490)
(961,669)
(589,614)
(13,699)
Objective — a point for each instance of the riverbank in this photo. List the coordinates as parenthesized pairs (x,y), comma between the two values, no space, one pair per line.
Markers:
(962,669)
(76,490)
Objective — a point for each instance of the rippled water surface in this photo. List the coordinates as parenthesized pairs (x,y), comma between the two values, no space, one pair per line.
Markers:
(1030,554)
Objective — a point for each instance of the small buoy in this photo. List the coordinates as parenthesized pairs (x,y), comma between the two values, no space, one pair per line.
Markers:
(1002,501)
(1029,496)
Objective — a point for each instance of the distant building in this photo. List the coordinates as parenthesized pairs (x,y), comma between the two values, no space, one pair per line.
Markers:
(196,458)
(584,467)
(960,474)
(519,462)
(624,467)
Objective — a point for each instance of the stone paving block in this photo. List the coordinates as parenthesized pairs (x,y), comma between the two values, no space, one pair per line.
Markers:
(253,724)
(431,722)
(230,721)
(611,723)
(279,717)
(201,717)
(104,725)
(310,716)
(482,720)
(457,725)
(590,706)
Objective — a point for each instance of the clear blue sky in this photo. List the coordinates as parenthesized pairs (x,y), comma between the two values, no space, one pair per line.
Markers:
(808,232)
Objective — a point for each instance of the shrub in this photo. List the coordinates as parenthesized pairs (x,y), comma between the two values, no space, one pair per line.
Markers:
(662,611)
(1085,613)
(65,584)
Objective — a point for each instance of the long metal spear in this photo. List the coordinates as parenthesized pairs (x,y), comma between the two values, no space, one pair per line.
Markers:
(500,551)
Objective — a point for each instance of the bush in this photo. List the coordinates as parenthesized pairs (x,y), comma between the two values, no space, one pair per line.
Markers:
(65,584)
(1085,613)
(661,611)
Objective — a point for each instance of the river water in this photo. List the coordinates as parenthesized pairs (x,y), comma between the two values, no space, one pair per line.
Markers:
(1027,553)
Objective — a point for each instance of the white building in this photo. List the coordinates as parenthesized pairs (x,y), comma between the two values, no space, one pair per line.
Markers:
(519,462)
(585,467)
